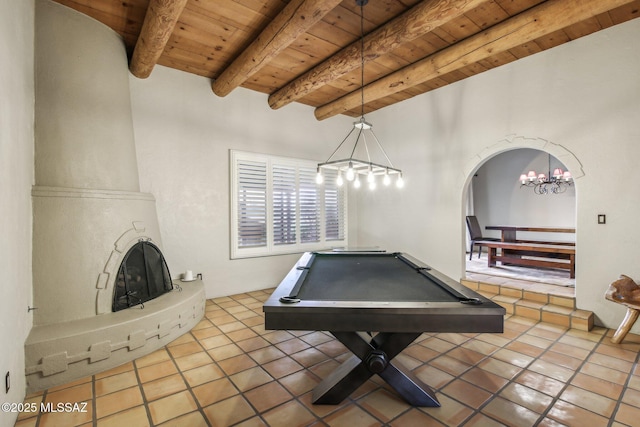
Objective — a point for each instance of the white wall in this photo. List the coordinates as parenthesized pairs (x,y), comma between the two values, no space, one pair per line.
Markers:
(183,135)
(16,179)
(582,96)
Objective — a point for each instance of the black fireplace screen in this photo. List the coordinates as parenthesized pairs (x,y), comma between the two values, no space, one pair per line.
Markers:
(143,276)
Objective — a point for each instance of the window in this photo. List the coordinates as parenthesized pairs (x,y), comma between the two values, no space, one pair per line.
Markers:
(277,207)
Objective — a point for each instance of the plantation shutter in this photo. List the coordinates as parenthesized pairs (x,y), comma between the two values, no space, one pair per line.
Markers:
(252,203)
(309,206)
(284,205)
(277,207)
(334,212)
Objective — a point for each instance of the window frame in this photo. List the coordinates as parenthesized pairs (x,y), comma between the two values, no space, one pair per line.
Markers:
(270,248)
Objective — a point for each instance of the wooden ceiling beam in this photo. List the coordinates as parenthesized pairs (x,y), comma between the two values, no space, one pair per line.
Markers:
(409,26)
(295,19)
(158,25)
(529,25)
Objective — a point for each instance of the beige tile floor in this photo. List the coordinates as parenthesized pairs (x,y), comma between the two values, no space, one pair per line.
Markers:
(229,370)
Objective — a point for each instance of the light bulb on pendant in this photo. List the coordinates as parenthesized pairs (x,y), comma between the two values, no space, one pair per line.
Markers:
(350,172)
(400,181)
(370,177)
(319,177)
(372,185)
(356,183)
(339,180)
(386,180)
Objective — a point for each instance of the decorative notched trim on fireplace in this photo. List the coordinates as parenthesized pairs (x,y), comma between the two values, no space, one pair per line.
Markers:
(143,276)
(107,278)
(61,353)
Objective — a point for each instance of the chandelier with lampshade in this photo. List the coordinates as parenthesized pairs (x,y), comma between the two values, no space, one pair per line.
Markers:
(552,183)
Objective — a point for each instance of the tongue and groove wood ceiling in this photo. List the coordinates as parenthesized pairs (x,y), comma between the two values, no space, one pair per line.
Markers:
(308,51)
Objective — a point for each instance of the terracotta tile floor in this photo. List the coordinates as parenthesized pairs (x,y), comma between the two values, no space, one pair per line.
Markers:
(230,371)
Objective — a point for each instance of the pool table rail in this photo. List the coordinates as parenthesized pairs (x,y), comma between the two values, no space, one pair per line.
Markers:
(381,316)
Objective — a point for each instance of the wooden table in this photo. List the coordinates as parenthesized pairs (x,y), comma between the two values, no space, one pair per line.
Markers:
(509,231)
(533,254)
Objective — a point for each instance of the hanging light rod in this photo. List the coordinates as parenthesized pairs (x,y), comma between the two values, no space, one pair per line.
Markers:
(360,167)
(351,168)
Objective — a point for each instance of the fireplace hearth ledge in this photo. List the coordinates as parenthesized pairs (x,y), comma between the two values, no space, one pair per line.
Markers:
(60,353)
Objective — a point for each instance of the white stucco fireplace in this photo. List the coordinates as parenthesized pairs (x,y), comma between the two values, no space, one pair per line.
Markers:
(88,211)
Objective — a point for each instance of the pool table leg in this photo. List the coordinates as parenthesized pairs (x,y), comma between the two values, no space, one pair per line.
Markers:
(409,386)
(373,356)
(343,381)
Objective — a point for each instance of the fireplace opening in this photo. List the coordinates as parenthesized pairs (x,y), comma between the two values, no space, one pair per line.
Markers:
(143,276)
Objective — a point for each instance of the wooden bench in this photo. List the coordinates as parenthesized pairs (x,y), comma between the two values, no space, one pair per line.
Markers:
(556,255)
(563,243)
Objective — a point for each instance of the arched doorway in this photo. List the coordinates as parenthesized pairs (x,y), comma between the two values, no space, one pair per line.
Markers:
(493,194)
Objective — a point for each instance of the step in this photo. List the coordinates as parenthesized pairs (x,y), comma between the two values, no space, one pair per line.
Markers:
(542,307)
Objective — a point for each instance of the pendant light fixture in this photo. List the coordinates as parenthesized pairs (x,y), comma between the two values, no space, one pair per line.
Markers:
(351,168)
(555,183)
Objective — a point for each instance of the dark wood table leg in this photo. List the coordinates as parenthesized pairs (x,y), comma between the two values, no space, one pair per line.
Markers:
(492,257)
(509,235)
(373,355)
(572,268)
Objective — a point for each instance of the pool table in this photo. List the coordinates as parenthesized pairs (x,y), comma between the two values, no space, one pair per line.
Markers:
(376,304)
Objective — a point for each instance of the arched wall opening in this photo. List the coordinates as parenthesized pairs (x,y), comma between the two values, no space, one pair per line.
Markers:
(492,179)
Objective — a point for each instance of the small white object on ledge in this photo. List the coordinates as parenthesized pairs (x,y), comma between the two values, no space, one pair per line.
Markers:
(188,276)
